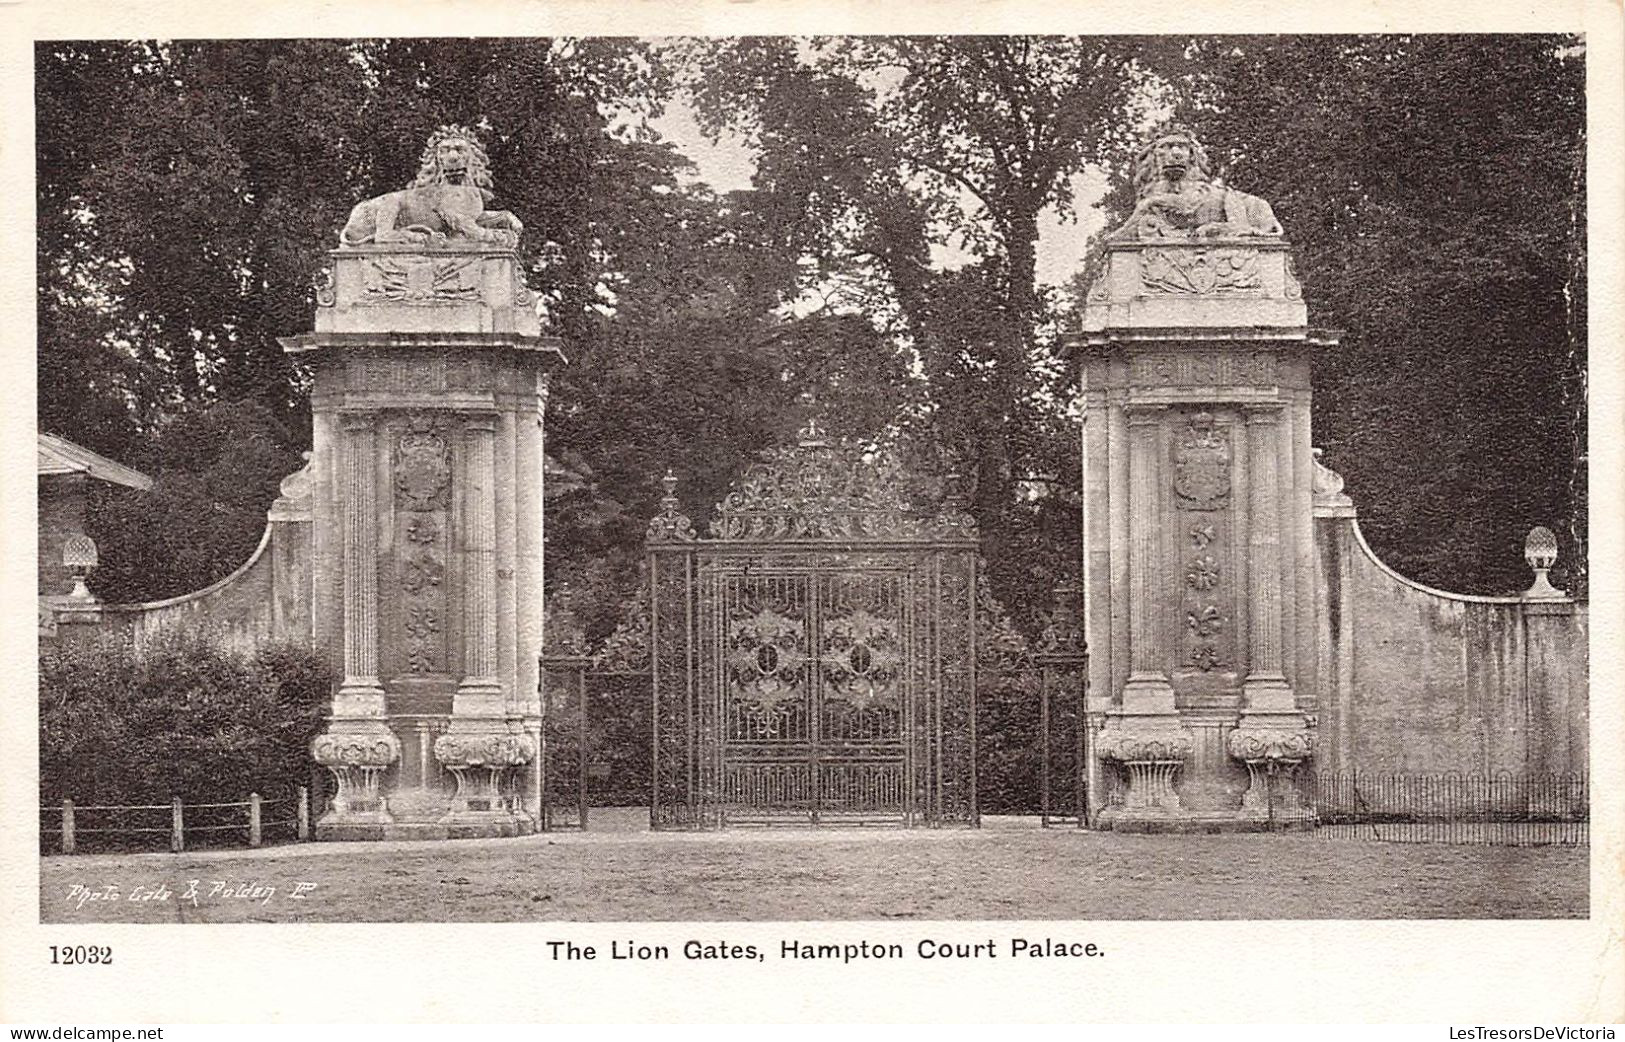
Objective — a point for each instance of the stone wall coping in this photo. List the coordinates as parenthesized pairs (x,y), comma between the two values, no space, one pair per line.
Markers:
(1464,598)
(219,584)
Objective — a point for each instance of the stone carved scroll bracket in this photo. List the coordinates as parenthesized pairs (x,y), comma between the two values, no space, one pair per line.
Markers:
(1269,751)
(357,756)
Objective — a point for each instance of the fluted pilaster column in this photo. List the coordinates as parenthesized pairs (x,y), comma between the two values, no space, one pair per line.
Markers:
(1273,737)
(360,557)
(479,585)
(1266,686)
(1144,735)
(1147,689)
(482,746)
(357,746)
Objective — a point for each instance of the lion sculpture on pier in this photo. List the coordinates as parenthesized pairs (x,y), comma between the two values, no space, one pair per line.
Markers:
(446,204)
(1177,198)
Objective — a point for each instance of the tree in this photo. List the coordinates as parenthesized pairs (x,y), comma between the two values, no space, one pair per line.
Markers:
(1434,191)
(189,189)
(217,472)
(694,363)
(873,150)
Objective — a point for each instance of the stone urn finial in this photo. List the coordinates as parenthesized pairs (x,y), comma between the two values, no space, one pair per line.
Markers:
(1540,551)
(80,558)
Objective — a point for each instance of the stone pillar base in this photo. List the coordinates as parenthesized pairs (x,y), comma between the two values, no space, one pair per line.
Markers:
(487,759)
(1273,745)
(418,806)
(1151,749)
(357,752)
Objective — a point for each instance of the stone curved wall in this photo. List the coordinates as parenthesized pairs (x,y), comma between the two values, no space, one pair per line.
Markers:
(1415,680)
(267,599)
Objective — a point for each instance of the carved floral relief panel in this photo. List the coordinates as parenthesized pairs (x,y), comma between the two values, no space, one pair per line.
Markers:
(1200,270)
(422,468)
(1203,478)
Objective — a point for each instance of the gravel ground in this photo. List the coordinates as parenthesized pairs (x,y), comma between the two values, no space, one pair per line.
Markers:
(1007,870)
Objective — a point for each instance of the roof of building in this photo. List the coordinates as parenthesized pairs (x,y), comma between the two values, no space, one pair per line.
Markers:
(61,456)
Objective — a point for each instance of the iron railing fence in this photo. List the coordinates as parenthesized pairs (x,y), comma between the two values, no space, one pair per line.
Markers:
(1495,809)
(70,827)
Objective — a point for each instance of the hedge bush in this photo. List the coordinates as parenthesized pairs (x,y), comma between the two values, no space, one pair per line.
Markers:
(182,718)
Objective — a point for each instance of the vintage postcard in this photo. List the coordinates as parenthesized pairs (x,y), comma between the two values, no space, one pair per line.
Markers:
(790,512)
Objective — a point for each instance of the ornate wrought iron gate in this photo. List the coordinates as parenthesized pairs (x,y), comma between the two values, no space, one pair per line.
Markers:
(814,658)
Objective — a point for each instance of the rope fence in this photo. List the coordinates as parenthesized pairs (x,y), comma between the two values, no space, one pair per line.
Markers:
(247,817)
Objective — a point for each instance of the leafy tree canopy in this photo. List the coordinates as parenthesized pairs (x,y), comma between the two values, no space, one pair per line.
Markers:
(1432,186)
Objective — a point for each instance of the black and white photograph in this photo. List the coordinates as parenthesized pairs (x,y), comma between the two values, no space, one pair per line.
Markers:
(875,503)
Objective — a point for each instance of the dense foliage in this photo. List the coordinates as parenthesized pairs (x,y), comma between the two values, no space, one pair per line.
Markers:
(182,718)
(879,271)
(1434,190)
(216,470)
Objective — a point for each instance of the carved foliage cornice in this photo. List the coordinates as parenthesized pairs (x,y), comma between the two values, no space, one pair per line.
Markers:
(374,746)
(496,751)
(1282,745)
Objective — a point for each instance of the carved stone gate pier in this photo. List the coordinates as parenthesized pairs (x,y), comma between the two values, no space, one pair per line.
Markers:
(1200,583)
(813,658)
(429,368)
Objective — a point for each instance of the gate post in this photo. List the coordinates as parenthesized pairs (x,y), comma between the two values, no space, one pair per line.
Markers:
(429,366)
(1063,658)
(674,801)
(1198,479)
(564,728)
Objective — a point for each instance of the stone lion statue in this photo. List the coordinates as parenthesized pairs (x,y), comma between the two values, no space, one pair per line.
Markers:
(1178,198)
(446,203)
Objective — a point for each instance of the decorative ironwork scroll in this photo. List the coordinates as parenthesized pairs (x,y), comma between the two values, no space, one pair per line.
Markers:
(814,658)
(828,490)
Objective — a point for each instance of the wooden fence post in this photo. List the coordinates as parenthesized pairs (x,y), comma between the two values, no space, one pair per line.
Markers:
(67,826)
(304,813)
(177,836)
(253,819)
(317,789)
